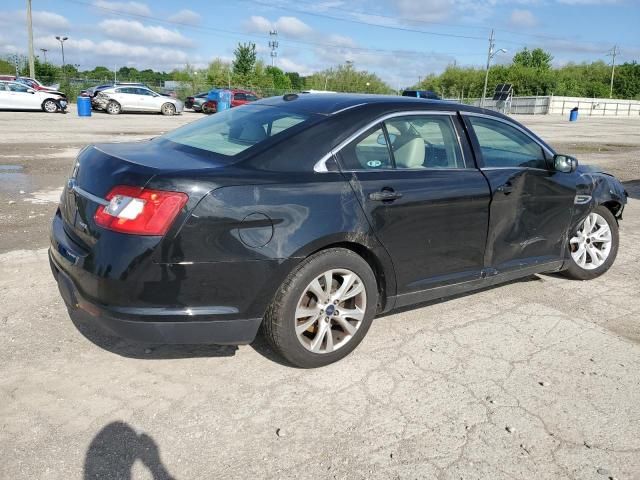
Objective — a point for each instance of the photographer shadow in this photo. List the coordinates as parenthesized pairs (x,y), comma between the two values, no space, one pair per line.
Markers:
(115,449)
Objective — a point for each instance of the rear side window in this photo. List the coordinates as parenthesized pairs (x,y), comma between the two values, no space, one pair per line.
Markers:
(17,87)
(505,146)
(232,131)
(370,151)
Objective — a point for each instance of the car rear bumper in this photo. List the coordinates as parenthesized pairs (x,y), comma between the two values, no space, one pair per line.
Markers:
(201,325)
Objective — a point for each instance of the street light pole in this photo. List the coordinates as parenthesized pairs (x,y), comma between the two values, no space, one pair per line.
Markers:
(44,52)
(62,40)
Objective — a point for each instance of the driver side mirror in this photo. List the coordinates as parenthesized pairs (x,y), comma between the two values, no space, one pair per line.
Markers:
(30,90)
(565,163)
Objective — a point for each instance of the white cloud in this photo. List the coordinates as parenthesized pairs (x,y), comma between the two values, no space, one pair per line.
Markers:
(426,10)
(48,21)
(290,66)
(288,26)
(293,27)
(135,8)
(136,31)
(523,18)
(258,24)
(341,40)
(186,16)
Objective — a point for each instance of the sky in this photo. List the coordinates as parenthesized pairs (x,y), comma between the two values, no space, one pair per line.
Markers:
(400,40)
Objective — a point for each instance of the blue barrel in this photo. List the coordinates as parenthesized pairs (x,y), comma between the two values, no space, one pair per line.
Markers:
(225,100)
(573,116)
(84,106)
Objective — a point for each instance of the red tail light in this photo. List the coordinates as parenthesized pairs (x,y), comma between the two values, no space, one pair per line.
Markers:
(140,211)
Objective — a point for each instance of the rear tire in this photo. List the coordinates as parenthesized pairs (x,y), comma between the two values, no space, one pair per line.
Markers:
(593,247)
(338,318)
(114,108)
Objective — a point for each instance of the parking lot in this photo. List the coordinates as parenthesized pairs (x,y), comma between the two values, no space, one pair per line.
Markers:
(539,378)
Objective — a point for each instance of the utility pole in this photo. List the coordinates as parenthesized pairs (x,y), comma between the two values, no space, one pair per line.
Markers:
(615,51)
(44,52)
(492,53)
(273,45)
(492,44)
(32,68)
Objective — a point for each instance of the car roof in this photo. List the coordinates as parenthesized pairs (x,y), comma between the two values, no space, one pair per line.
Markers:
(332,103)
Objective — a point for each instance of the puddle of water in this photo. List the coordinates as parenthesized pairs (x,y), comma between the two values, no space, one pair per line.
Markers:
(12,179)
(42,197)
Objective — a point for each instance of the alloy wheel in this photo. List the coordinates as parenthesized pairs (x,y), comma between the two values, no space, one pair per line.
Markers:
(50,106)
(330,311)
(591,245)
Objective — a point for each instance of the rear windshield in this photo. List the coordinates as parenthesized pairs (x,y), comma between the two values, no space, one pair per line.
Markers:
(232,131)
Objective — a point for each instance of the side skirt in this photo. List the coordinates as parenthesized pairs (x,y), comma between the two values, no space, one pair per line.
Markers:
(489,278)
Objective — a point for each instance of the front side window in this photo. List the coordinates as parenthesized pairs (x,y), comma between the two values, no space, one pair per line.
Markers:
(240,96)
(424,141)
(232,131)
(505,146)
(369,151)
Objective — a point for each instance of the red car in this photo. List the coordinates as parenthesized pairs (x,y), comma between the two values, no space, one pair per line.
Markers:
(238,97)
(30,82)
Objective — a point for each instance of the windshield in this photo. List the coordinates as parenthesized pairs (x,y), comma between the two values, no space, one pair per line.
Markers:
(232,131)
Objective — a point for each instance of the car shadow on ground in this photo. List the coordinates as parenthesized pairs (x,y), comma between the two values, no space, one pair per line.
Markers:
(115,449)
(130,349)
(633,188)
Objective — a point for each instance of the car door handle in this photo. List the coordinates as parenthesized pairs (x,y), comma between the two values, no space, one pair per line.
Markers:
(507,188)
(385,196)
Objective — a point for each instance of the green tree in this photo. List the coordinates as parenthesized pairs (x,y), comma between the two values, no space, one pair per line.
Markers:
(297,81)
(280,81)
(345,78)
(536,58)
(245,59)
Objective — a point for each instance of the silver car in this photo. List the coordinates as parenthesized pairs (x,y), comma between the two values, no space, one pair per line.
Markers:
(121,98)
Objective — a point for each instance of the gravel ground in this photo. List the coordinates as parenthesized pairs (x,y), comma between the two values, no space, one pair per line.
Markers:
(535,379)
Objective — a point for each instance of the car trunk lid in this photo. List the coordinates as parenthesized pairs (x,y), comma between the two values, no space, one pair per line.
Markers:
(99,168)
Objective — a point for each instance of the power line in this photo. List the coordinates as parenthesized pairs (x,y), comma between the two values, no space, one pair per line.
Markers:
(235,34)
(397,27)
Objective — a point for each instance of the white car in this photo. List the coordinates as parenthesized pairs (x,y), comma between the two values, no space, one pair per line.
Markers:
(135,99)
(18,96)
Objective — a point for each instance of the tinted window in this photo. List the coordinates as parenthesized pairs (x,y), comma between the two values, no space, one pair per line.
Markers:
(505,146)
(2,86)
(240,96)
(367,152)
(251,98)
(17,87)
(231,131)
(427,141)
(128,90)
(144,91)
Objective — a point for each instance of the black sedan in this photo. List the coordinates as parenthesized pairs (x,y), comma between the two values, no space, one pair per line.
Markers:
(308,215)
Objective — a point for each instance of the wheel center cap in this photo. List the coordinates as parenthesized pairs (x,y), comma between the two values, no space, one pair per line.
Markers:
(330,309)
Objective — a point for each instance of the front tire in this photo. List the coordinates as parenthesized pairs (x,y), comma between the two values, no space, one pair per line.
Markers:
(323,310)
(168,109)
(593,247)
(50,106)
